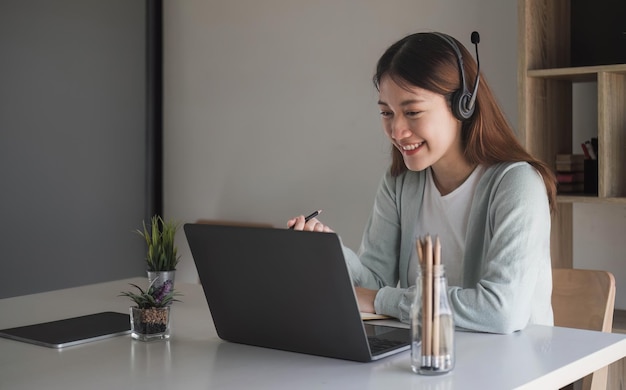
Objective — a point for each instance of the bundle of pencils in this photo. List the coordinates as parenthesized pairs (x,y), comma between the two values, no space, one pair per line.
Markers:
(437,324)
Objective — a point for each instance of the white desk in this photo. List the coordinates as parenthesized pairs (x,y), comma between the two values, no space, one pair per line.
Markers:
(195,358)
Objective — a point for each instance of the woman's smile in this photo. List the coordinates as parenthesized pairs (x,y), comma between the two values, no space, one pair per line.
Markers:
(410,149)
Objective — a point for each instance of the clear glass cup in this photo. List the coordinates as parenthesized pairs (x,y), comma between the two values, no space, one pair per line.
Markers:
(150,324)
(432,325)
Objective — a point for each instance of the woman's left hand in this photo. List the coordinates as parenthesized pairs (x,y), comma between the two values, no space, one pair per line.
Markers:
(365,298)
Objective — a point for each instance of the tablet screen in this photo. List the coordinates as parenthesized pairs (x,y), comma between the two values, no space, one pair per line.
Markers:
(71,331)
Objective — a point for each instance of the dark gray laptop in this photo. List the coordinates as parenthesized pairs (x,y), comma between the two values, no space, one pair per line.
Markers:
(287,290)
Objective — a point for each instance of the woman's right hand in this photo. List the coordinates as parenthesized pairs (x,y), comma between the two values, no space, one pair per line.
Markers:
(313,225)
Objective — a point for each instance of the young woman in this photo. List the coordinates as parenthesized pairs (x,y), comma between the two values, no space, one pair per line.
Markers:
(457,172)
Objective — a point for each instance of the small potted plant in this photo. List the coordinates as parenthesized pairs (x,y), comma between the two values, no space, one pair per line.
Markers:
(162,254)
(150,318)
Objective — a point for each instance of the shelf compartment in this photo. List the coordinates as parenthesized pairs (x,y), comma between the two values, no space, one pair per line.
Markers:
(578,74)
(572,198)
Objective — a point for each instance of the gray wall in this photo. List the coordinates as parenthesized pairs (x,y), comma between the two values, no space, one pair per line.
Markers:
(72,142)
(270,112)
(269,107)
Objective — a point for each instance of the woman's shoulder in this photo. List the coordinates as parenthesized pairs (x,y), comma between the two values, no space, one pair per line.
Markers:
(514,172)
(517,179)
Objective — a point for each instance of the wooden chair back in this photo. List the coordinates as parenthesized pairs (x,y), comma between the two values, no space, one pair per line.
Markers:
(584,299)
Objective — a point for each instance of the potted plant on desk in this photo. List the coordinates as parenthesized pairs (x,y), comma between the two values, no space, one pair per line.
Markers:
(150,318)
(162,254)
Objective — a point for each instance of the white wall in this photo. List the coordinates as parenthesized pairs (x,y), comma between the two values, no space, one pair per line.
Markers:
(270,111)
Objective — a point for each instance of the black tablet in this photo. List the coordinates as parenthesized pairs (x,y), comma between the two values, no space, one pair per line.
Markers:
(71,331)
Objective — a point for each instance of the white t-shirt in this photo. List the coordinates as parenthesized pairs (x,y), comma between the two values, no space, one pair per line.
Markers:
(446,216)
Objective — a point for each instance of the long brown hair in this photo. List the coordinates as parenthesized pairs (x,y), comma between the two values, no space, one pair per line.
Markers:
(427,61)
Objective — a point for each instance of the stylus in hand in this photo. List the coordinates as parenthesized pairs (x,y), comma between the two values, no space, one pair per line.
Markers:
(309,217)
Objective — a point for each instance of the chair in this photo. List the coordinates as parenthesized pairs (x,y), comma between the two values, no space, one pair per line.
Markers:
(584,299)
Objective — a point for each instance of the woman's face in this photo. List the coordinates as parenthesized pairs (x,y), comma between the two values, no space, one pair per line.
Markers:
(420,125)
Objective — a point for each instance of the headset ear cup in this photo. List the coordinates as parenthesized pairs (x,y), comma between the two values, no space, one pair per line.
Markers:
(465,102)
(460,101)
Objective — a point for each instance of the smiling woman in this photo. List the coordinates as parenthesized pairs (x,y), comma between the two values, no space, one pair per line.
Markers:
(464,168)
(457,173)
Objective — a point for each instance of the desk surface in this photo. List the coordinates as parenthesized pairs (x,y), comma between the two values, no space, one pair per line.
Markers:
(195,358)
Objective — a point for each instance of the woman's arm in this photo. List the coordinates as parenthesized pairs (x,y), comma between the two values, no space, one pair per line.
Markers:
(507,266)
(376,265)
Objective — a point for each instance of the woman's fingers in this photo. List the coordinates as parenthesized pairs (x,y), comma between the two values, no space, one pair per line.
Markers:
(296,223)
(313,225)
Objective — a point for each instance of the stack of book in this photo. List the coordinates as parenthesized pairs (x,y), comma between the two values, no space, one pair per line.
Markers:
(570,173)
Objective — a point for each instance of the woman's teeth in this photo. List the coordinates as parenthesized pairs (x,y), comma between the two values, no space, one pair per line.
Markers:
(412,146)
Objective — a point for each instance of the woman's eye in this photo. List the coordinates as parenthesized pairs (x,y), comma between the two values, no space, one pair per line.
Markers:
(412,113)
(385,114)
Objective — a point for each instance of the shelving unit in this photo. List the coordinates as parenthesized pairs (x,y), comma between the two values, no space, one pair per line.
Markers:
(545,81)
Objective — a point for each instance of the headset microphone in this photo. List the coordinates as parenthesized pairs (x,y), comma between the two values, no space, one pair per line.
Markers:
(462,101)
(475,40)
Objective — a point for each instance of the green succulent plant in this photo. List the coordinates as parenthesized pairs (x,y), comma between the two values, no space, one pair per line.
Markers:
(160,296)
(162,254)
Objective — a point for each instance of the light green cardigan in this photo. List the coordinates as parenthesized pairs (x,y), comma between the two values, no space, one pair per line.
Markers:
(507,277)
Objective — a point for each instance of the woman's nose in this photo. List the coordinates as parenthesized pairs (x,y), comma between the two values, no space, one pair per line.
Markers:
(399,129)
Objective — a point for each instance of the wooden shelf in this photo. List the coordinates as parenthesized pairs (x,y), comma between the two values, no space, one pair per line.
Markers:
(572,198)
(577,74)
(545,81)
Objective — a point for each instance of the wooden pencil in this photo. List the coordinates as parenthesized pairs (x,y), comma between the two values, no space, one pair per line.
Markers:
(436,292)
(419,248)
(428,300)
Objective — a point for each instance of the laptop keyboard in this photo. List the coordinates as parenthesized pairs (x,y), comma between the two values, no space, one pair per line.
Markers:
(379,345)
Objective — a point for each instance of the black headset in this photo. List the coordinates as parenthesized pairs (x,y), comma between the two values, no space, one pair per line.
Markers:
(462,101)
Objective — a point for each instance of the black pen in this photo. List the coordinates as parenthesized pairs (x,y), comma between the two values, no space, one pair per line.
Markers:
(309,217)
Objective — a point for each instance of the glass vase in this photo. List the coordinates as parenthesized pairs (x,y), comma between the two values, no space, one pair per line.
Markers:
(150,324)
(432,325)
